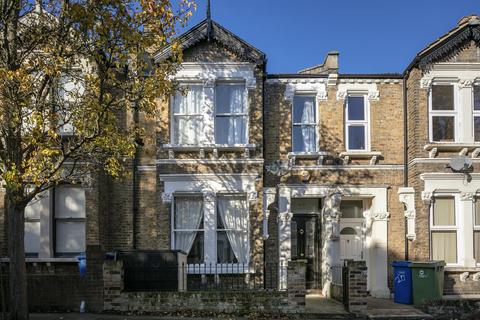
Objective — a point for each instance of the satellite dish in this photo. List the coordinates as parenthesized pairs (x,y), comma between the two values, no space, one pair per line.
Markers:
(460,164)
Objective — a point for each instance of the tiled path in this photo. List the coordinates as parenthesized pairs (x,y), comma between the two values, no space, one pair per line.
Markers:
(319,307)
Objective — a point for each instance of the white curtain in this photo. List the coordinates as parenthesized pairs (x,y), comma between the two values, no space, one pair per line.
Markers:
(230,123)
(188,216)
(234,215)
(188,116)
(308,131)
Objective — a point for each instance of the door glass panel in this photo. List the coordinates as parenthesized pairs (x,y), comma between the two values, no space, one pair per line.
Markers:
(352,209)
(294,239)
(305,205)
(310,238)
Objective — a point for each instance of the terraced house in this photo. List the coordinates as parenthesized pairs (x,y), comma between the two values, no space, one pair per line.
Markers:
(247,178)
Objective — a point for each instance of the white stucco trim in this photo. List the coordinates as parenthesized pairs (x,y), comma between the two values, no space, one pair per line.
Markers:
(201,71)
(376,222)
(209,186)
(317,88)
(462,76)
(369,89)
(464,192)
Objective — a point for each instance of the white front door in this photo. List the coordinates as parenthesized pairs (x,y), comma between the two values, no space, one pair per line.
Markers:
(351,241)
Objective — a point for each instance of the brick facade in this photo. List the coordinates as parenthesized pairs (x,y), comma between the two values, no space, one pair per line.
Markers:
(114,224)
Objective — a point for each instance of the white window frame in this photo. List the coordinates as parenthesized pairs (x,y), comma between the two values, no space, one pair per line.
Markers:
(313,124)
(444,113)
(212,266)
(173,115)
(173,212)
(224,114)
(47,221)
(354,123)
(476,226)
(475,113)
(454,228)
(55,219)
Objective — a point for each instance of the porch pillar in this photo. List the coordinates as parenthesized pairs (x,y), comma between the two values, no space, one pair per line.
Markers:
(284,235)
(331,244)
(378,262)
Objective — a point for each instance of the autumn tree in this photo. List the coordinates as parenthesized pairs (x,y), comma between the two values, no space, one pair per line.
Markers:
(68,68)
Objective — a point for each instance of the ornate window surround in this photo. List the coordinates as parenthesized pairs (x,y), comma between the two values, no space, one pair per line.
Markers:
(453,184)
(463,76)
(209,74)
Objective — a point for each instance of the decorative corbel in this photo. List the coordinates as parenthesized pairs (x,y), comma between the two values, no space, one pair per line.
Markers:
(467,196)
(167,197)
(251,83)
(341,94)
(425,83)
(476,276)
(253,196)
(407,197)
(269,195)
(171,154)
(373,95)
(433,153)
(475,153)
(209,82)
(289,92)
(209,196)
(464,276)
(321,95)
(465,83)
(427,197)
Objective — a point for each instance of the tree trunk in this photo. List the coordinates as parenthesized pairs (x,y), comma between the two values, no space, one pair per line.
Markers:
(16,251)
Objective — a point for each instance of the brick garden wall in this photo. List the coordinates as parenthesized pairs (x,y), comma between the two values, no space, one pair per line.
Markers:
(232,302)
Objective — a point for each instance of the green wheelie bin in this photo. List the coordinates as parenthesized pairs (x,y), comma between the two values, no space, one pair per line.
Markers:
(427,279)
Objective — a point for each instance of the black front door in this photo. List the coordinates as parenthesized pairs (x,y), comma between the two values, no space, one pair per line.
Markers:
(306,244)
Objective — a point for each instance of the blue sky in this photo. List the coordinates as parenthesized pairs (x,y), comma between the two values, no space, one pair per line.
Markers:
(371,35)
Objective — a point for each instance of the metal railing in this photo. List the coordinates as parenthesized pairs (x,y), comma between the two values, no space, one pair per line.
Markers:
(337,275)
(203,277)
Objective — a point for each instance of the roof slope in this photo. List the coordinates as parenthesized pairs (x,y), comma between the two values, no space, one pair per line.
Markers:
(208,30)
(449,44)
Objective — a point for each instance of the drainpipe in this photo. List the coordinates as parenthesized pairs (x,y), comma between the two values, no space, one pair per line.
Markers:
(264,78)
(136,157)
(405,152)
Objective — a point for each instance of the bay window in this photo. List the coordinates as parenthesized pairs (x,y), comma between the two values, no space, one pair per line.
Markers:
(443,226)
(188,113)
(443,114)
(232,230)
(230,114)
(356,123)
(304,124)
(188,227)
(212,234)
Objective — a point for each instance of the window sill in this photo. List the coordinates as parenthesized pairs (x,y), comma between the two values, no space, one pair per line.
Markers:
(461,269)
(449,146)
(211,147)
(308,155)
(372,155)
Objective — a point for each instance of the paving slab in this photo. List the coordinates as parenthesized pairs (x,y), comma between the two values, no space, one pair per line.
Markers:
(383,309)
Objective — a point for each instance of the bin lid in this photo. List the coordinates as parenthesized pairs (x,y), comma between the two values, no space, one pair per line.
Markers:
(404,264)
(427,264)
